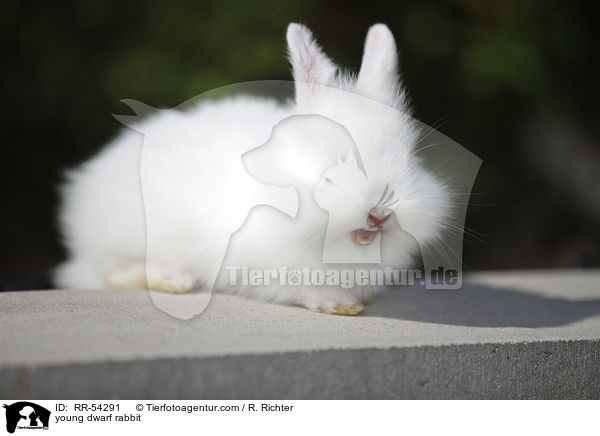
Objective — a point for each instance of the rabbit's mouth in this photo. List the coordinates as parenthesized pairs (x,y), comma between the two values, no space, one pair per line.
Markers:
(376,220)
(364,236)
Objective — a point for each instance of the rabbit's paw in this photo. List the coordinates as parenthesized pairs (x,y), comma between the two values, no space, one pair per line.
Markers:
(169,283)
(331,300)
(339,309)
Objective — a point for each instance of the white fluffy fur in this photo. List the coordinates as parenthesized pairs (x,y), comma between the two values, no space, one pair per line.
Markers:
(196,189)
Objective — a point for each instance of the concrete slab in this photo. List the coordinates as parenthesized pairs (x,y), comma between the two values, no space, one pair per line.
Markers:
(504,335)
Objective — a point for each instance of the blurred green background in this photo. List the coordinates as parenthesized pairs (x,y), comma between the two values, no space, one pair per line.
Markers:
(515,82)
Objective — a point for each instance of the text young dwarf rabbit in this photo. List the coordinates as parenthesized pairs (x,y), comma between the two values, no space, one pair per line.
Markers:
(343,150)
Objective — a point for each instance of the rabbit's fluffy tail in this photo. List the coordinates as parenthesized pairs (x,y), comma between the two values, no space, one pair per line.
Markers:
(77,273)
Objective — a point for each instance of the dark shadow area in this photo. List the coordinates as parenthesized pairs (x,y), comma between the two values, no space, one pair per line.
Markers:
(481,306)
(515,83)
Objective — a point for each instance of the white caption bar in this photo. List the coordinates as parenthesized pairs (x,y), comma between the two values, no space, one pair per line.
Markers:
(153,417)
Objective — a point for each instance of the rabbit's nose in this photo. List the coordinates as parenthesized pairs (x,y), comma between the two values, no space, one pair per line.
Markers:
(377,217)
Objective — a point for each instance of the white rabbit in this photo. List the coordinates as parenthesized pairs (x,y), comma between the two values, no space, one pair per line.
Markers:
(203,170)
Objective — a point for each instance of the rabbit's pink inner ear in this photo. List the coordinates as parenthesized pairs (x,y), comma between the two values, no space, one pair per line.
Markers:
(310,66)
(378,75)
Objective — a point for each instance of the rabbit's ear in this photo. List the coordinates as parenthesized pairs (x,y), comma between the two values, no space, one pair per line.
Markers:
(378,76)
(310,66)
